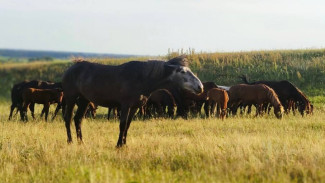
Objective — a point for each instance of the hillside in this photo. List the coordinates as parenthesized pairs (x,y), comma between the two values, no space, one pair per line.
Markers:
(15,55)
(304,68)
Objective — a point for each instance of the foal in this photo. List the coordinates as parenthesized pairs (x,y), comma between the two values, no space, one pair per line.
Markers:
(40,96)
(220,98)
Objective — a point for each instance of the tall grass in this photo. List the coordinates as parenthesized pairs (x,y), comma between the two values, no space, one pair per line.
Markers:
(304,68)
(240,149)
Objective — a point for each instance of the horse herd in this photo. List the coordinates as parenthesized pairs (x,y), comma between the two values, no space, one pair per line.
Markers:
(153,89)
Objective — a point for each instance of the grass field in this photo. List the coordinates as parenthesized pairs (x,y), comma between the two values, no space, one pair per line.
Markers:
(239,149)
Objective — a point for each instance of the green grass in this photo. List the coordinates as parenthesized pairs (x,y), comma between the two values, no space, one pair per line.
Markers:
(239,149)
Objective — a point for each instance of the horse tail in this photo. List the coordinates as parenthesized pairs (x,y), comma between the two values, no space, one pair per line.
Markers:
(274,99)
(244,78)
(226,99)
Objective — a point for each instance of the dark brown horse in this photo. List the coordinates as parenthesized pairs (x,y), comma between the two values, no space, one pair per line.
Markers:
(258,94)
(41,96)
(16,94)
(157,103)
(220,99)
(123,84)
(192,100)
(287,92)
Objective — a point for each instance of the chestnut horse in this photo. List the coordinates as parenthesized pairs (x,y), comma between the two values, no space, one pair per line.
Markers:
(122,84)
(40,96)
(258,94)
(220,99)
(16,94)
(287,92)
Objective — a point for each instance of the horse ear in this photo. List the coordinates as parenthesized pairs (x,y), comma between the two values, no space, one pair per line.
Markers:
(180,60)
(169,69)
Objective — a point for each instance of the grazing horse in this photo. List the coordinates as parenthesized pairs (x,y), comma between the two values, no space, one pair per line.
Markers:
(287,92)
(220,98)
(192,100)
(157,103)
(16,94)
(258,94)
(122,84)
(40,96)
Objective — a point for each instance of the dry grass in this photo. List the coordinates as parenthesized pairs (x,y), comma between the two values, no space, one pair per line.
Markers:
(241,149)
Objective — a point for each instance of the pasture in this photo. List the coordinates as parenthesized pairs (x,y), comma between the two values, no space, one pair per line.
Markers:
(238,149)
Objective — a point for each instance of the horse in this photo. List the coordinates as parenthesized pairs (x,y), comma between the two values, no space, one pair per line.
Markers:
(121,84)
(157,103)
(220,98)
(40,96)
(16,94)
(90,112)
(192,100)
(258,94)
(286,91)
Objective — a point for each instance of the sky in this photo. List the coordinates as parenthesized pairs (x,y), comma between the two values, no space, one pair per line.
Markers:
(151,27)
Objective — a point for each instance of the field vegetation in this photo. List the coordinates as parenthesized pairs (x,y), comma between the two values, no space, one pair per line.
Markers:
(304,68)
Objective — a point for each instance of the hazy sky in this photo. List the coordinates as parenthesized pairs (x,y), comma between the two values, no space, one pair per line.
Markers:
(152,26)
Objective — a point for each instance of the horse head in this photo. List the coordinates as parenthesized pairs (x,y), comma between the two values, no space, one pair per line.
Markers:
(182,76)
(278,111)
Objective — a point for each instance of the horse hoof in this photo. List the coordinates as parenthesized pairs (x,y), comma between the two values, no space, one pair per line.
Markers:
(69,141)
(119,146)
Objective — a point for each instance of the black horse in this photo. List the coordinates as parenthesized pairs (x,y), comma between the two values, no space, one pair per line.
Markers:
(17,90)
(286,92)
(124,84)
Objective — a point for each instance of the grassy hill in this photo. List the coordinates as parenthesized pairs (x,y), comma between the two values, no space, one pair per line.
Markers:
(304,68)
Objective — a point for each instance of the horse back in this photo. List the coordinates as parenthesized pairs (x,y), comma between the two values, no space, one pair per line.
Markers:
(42,96)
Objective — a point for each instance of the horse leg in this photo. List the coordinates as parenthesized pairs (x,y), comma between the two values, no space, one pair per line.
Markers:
(125,111)
(21,112)
(159,111)
(43,110)
(58,107)
(206,108)
(24,111)
(109,112)
(293,108)
(259,108)
(12,108)
(70,103)
(80,113)
(32,108)
(46,110)
(131,114)
(171,111)
(219,110)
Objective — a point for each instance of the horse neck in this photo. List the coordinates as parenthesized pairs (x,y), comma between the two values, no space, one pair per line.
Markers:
(273,98)
(301,96)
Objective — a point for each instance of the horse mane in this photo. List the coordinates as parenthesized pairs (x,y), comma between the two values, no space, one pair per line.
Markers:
(180,60)
(154,69)
(274,99)
(226,99)
(300,94)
